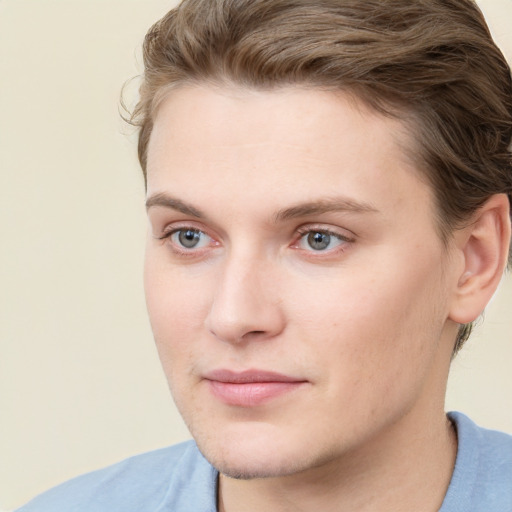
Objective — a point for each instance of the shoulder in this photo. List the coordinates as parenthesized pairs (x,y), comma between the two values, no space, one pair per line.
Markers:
(487,449)
(482,479)
(145,482)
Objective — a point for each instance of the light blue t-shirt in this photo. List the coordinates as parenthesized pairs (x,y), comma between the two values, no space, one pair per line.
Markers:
(179,479)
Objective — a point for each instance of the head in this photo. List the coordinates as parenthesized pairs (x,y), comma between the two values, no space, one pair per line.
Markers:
(431,64)
(422,78)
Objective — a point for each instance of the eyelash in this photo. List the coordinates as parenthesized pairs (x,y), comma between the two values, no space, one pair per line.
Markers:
(301,231)
(183,251)
(308,230)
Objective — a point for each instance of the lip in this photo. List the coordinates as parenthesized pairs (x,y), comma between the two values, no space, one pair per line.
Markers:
(250,388)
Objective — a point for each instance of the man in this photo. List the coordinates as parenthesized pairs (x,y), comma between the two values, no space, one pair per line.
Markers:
(328,190)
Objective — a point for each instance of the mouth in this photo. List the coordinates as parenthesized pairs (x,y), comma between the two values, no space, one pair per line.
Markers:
(251,387)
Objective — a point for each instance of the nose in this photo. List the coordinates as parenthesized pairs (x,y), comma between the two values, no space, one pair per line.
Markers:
(246,304)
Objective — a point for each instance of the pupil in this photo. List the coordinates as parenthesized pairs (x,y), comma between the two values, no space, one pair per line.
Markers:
(318,241)
(188,238)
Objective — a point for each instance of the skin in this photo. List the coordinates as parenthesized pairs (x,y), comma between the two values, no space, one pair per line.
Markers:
(365,323)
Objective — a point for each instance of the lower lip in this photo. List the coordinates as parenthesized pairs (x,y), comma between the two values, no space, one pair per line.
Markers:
(250,394)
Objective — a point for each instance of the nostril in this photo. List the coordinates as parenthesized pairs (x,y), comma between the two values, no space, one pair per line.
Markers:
(253,334)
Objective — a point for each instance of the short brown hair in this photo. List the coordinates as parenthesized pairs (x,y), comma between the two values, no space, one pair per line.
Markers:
(432,63)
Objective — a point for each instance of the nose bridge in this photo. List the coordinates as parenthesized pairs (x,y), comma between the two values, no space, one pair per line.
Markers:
(245,304)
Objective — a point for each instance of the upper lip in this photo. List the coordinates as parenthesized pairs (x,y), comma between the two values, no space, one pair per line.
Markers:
(249,376)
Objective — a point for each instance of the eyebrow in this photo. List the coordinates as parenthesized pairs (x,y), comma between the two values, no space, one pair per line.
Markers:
(166,201)
(336,204)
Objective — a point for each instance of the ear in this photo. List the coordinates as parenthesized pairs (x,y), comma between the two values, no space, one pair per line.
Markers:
(484,244)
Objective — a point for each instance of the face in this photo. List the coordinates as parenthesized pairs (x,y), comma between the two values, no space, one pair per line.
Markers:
(295,281)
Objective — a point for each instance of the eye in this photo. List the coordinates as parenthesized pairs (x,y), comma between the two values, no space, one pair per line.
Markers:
(320,240)
(188,238)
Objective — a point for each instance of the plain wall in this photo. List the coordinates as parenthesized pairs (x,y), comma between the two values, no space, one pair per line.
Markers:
(80,382)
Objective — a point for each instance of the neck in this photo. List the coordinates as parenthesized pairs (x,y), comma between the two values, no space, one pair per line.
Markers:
(388,475)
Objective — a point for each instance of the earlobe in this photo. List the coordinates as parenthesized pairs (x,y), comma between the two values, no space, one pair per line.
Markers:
(484,244)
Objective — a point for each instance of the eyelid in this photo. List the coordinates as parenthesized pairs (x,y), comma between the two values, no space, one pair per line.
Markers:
(180,225)
(166,237)
(340,234)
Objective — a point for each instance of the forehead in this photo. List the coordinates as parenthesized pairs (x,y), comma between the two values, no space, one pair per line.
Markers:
(231,116)
(287,145)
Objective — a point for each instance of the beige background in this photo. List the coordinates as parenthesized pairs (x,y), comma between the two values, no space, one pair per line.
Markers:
(80,383)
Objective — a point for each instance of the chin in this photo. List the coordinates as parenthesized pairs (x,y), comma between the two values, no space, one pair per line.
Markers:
(234,466)
(259,453)
(240,472)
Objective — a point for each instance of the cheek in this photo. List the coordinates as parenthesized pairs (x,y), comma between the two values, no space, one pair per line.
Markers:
(176,326)
(374,324)
(177,305)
